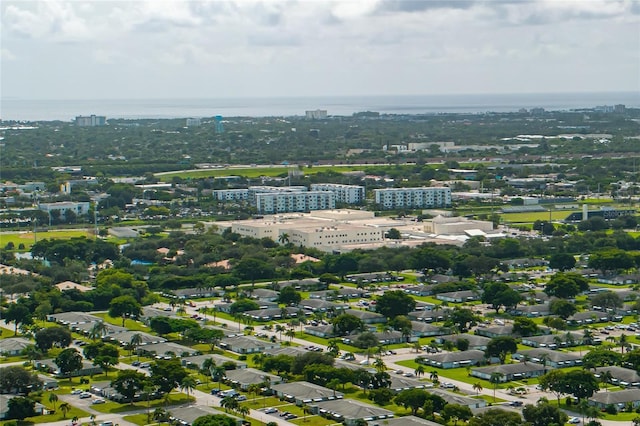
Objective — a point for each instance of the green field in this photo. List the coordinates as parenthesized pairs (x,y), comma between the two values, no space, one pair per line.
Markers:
(254,172)
(530,217)
(27,238)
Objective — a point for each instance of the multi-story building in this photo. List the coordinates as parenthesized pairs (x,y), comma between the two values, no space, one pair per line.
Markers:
(302,201)
(79,208)
(393,198)
(347,194)
(91,120)
(318,114)
(193,122)
(230,194)
(327,237)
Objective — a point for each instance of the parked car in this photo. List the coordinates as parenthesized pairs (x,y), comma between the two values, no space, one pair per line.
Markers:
(76,392)
(515,404)
(241,398)
(84,395)
(98,401)
(290,417)
(270,410)
(574,420)
(136,363)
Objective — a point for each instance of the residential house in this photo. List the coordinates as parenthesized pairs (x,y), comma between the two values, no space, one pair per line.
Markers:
(246,376)
(453,359)
(72,318)
(531,311)
(366,316)
(124,338)
(624,377)
(195,293)
(13,346)
(166,350)
(185,416)
(246,344)
(475,341)
(385,338)
(265,295)
(554,359)
(349,411)
(454,398)
(429,316)
(271,314)
(422,329)
(420,290)
(553,341)
(286,350)
(318,305)
(4,407)
(403,421)
(619,399)
(305,393)
(197,361)
(510,372)
(496,331)
(400,383)
(49,366)
(459,296)
(588,317)
(324,331)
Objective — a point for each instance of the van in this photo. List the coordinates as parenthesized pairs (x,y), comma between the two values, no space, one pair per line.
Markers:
(230,392)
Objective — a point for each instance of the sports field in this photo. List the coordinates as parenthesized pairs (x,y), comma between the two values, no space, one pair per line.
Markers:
(255,172)
(28,238)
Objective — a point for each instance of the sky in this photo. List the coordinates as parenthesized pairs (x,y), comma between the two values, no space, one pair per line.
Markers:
(295,48)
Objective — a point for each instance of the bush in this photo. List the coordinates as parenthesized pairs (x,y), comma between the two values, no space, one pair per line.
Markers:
(242,358)
(611,409)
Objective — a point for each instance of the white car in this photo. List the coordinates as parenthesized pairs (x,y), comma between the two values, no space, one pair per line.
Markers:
(574,420)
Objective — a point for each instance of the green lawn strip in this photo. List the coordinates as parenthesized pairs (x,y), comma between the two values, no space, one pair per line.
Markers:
(619,417)
(319,340)
(139,419)
(312,420)
(488,398)
(209,386)
(115,407)
(27,238)
(353,392)
(265,402)
(258,171)
(128,323)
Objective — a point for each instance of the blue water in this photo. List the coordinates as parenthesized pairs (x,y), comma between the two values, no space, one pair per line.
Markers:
(66,110)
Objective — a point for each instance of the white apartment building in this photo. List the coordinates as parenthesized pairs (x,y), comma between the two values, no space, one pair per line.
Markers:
(393,198)
(230,194)
(79,208)
(91,121)
(348,194)
(318,114)
(302,201)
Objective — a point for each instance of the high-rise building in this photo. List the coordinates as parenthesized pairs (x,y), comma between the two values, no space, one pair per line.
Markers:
(91,120)
(318,114)
(193,122)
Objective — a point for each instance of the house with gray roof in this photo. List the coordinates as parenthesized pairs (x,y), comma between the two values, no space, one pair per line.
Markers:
(554,359)
(286,350)
(195,293)
(553,341)
(475,341)
(49,366)
(86,327)
(454,398)
(420,290)
(246,376)
(304,392)
(270,314)
(246,344)
(403,421)
(423,329)
(510,372)
(13,346)
(196,362)
(367,317)
(453,359)
(619,399)
(532,311)
(167,349)
(384,337)
(624,377)
(349,411)
(4,406)
(124,338)
(72,318)
(495,331)
(324,331)
(459,296)
(400,383)
(185,416)
(265,295)
(588,317)
(428,315)
(318,305)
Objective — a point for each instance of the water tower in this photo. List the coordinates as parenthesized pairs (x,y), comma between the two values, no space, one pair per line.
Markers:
(219,125)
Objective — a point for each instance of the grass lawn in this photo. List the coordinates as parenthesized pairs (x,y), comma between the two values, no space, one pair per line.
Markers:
(27,237)
(264,402)
(128,323)
(56,417)
(529,217)
(258,171)
(319,340)
(115,407)
(139,419)
(312,421)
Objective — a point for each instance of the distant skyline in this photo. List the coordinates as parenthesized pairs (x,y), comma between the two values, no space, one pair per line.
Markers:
(295,48)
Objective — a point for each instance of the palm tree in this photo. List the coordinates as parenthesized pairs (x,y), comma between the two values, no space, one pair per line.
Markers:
(254,389)
(65,407)
(433,376)
(544,360)
(305,410)
(477,386)
(379,365)
(416,346)
(136,340)
(419,371)
(333,348)
(229,403)
(243,410)
(290,333)
(622,341)
(495,380)
(53,398)
(266,382)
(280,329)
(606,377)
(217,374)
(188,385)
(283,238)
(32,353)
(98,330)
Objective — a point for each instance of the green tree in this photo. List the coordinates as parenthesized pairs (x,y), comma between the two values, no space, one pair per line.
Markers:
(553,381)
(394,303)
(129,382)
(544,414)
(214,420)
(65,407)
(562,308)
(289,296)
(16,379)
(188,385)
(124,306)
(462,319)
(562,261)
(382,396)
(501,346)
(17,313)
(167,374)
(108,356)
(524,327)
(499,295)
(607,300)
(412,399)
(345,324)
(21,407)
(496,417)
(580,383)
(68,361)
(53,398)
(456,413)
(495,379)
(566,285)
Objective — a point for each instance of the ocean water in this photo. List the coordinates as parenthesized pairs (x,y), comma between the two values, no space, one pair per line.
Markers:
(66,110)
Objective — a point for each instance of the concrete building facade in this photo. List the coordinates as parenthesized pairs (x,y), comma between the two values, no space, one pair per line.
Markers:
(347,194)
(393,198)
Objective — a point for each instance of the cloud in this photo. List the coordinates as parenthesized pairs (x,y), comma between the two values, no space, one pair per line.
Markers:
(7,55)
